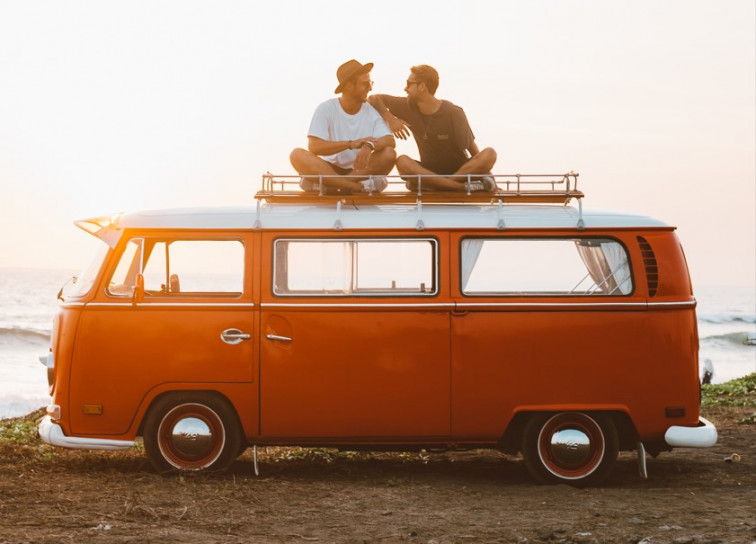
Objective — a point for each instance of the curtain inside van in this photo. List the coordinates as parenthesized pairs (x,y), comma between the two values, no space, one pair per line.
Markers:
(607,264)
(470,253)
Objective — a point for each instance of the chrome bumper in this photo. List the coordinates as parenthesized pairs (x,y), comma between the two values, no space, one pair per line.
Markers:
(702,436)
(52,434)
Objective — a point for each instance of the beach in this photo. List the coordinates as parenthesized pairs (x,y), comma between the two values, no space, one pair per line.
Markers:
(692,496)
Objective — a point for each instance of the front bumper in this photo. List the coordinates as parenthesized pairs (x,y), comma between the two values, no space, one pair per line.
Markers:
(51,433)
(702,436)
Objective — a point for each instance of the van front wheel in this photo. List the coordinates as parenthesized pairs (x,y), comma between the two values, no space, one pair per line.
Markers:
(573,448)
(191,433)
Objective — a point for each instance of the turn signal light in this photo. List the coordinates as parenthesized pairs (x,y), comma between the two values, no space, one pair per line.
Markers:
(93,409)
(53,410)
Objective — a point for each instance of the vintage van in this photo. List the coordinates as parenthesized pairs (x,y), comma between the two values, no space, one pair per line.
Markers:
(393,321)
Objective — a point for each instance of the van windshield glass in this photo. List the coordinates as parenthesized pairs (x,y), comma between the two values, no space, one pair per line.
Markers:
(546,266)
(82,283)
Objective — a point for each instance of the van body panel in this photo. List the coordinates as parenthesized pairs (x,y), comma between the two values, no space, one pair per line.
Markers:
(132,348)
(359,372)
(62,343)
(504,360)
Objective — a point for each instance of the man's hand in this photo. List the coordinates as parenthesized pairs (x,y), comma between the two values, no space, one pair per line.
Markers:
(398,127)
(363,155)
(357,144)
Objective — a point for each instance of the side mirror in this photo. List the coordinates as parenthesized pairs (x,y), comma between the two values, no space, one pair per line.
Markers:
(138,289)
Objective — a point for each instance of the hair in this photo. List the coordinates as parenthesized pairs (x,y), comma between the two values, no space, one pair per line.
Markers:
(427,75)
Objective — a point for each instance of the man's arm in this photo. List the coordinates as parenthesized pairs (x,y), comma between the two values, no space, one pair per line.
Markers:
(398,127)
(384,142)
(321,147)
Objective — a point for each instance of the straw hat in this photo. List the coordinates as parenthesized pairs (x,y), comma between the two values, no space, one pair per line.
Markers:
(350,69)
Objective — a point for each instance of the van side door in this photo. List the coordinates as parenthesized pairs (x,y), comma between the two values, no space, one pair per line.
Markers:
(354,338)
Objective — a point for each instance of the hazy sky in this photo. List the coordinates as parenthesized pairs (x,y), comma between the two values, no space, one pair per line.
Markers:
(120,106)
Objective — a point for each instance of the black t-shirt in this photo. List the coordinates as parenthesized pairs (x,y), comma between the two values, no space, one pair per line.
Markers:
(442,138)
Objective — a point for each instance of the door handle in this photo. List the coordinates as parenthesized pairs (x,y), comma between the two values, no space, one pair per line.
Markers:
(278,338)
(234,336)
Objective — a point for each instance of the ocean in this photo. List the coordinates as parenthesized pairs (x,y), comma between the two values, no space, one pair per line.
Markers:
(726,329)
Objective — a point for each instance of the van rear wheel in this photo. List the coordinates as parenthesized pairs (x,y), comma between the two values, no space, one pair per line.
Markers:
(191,432)
(573,448)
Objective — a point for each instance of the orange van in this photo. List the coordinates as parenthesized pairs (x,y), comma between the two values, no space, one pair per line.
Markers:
(393,321)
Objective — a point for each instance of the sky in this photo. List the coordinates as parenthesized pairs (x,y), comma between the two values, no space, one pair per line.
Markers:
(109,106)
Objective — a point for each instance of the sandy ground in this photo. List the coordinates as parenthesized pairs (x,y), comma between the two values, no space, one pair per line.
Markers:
(691,496)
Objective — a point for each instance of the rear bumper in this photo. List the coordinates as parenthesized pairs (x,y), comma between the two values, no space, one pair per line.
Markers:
(51,433)
(702,436)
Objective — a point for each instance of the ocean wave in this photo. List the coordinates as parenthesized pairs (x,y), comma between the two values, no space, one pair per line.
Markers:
(735,338)
(24,333)
(721,318)
(18,406)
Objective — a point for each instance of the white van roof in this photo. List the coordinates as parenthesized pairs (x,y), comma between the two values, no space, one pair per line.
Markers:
(346,217)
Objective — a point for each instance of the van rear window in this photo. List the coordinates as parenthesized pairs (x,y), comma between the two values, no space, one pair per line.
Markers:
(355,267)
(545,266)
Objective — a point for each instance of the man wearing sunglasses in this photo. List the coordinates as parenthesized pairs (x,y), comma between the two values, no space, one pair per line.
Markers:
(347,137)
(448,152)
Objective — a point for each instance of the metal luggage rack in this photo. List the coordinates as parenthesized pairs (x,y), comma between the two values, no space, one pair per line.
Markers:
(510,188)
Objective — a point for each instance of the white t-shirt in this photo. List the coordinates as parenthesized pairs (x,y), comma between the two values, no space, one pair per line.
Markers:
(330,122)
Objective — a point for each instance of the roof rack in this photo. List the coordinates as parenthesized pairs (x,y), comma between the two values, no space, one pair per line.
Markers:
(510,188)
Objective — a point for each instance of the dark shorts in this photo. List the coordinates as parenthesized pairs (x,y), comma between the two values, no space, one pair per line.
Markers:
(444,169)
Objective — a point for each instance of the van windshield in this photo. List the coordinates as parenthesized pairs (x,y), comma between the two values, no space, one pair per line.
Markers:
(80,284)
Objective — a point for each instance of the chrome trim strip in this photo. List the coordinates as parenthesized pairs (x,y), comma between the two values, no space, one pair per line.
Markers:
(174,304)
(463,305)
(663,304)
(440,305)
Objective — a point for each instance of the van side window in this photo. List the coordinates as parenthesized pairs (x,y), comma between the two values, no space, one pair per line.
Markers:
(355,267)
(545,266)
(181,268)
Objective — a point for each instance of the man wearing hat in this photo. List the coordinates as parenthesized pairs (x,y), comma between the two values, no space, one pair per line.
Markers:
(347,137)
(448,152)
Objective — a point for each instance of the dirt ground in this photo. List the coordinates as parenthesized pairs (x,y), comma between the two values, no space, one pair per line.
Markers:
(691,496)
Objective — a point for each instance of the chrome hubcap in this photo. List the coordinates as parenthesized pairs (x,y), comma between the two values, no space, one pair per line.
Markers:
(570,448)
(192,438)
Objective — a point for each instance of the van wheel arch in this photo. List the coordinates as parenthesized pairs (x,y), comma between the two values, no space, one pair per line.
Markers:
(192,431)
(511,440)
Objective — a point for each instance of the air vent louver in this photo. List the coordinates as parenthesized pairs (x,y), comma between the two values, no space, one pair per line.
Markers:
(649,263)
